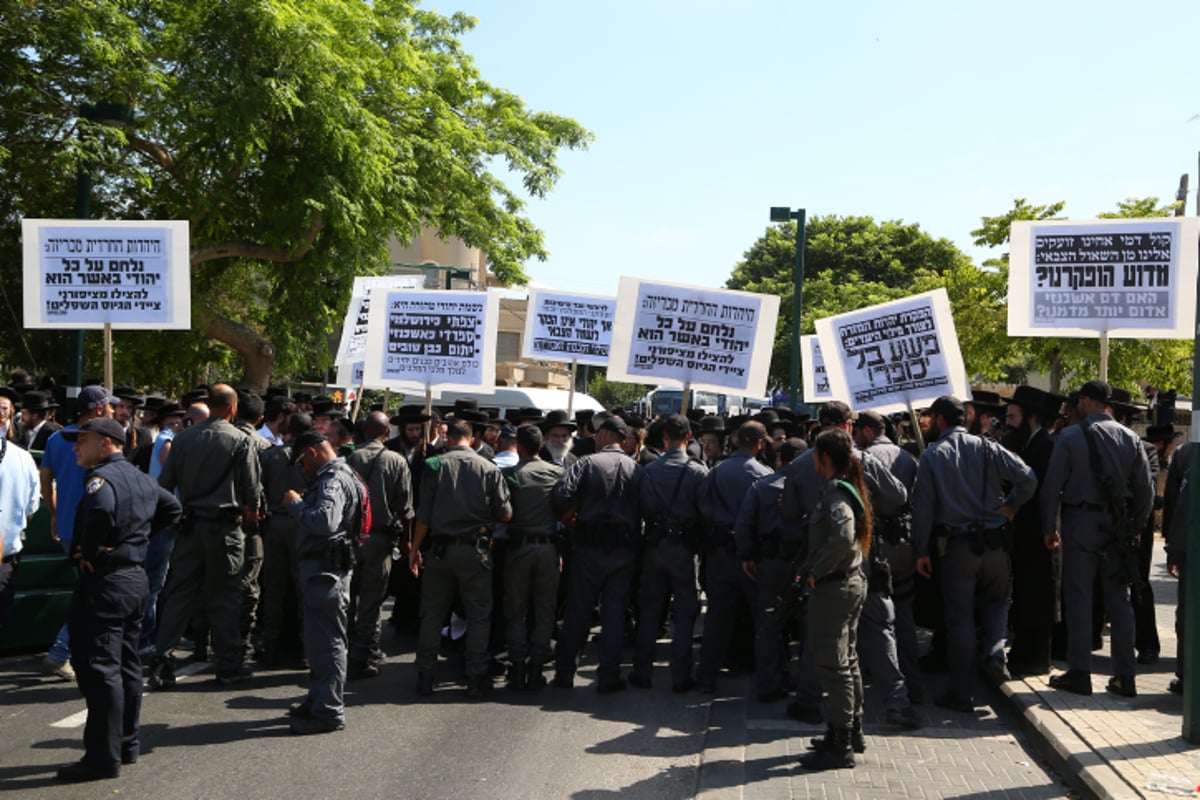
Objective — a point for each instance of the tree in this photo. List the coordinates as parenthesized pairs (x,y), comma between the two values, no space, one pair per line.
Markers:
(849,263)
(295,137)
(612,394)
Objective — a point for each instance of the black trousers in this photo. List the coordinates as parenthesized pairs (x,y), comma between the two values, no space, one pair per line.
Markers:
(105,621)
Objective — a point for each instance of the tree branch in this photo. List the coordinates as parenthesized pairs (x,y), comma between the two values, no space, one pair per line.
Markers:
(161,156)
(235,248)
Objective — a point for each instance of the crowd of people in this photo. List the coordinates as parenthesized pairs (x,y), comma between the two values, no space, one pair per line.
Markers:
(242,522)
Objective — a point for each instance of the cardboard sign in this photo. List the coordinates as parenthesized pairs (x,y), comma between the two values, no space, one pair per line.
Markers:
(814,374)
(890,355)
(1130,278)
(561,326)
(715,339)
(442,339)
(353,344)
(86,273)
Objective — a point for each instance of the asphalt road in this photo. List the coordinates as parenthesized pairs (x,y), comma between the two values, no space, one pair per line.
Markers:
(205,741)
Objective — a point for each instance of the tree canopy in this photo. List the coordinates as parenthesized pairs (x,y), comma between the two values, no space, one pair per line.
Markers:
(294,136)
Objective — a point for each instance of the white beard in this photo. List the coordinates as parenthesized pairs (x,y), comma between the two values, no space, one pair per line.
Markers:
(559,451)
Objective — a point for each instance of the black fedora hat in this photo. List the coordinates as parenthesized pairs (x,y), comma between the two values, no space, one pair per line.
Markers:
(557,419)
(1036,399)
(712,424)
(1160,433)
(524,416)
(409,414)
(37,401)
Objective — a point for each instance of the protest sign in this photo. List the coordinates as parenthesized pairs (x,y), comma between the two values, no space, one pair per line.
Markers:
(350,373)
(561,326)
(815,376)
(1127,278)
(889,356)
(353,344)
(89,273)
(714,339)
(426,339)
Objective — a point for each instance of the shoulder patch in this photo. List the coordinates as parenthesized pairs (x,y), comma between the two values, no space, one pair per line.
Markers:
(94,484)
(433,463)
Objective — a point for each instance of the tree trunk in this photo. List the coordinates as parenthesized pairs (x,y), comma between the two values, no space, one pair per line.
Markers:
(258,355)
(1055,370)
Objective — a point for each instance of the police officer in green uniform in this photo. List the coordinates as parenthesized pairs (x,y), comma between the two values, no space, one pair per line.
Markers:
(121,507)
(215,468)
(839,536)
(462,497)
(249,415)
(532,568)
(387,478)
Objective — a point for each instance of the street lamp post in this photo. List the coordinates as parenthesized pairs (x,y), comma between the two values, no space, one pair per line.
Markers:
(785,214)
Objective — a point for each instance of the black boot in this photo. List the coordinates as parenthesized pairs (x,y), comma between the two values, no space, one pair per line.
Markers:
(819,742)
(517,676)
(836,754)
(858,742)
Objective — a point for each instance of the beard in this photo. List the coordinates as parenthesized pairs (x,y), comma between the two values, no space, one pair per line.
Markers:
(559,451)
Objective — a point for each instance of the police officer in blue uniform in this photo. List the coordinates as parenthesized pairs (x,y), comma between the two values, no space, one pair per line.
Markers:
(121,507)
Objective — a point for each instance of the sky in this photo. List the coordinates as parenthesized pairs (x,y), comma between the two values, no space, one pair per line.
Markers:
(706,114)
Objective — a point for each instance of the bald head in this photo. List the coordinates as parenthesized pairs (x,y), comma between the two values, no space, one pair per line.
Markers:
(376,426)
(222,401)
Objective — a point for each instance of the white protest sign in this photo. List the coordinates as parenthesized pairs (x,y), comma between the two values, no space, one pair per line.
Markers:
(445,339)
(1129,278)
(561,326)
(350,374)
(815,376)
(714,339)
(888,356)
(86,273)
(353,345)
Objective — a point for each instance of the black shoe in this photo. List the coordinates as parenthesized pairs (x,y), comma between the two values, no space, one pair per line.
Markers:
(268,655)
(1175,686)
(80,772)
(995,672)
(684,686)
(129,757)
(809,715)
(535,680)
(639,681)
(307,726)
(1073,680)
(1122,685)
(478,686)
(1024,668)
(835,753)
(1148,657)
(904,718)
(162,675)
(518,677)
(564,680)
(772,696)
(362,669)
(496,667)
(230,677)
(617,685)
(299,709)
(425,684)
(952,703)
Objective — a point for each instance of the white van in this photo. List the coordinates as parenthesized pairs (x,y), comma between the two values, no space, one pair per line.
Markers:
(506,398)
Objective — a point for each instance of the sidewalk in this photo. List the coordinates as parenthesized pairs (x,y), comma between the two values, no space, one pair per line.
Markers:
(1117,745)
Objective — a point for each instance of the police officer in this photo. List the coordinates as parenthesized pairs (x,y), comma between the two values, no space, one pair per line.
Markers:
(215,468)
(1175,530)
(531,570)
(1097,465)
(601,493)
(670,506)
(463,496)
(328,521)
(725,580)
(387,478)
(839,536)
(121,507)
(249,415)
(959,499)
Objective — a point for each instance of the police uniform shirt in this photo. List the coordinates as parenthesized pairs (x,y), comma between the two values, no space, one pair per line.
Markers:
(670,491)
(948,490)
(604,488)
(898,461)
(278,475)
(327,511)
(461,493)
(530,484)
(726,487)
(1175,505)
(388,483)
(214,467)
(120,508)
(1070,478)
(805,486)
(760,515)
(832,540)
(257,442)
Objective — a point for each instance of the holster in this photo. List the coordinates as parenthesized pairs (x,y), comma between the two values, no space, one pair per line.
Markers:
(338,556)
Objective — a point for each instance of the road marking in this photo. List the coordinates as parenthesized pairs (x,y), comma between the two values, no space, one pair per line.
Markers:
(79,718)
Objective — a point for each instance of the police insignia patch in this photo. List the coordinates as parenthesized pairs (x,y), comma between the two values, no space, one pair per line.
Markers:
(94,484)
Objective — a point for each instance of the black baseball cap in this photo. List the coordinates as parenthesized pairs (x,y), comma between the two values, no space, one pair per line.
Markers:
(303,442)
(105,426)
